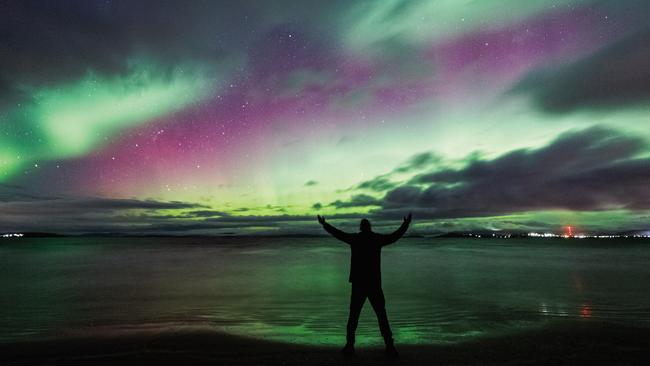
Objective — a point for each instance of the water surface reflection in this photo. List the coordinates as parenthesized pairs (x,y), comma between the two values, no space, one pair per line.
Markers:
(437,290)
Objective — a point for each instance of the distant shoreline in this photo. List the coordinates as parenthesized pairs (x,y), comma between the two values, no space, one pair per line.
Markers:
(468,235)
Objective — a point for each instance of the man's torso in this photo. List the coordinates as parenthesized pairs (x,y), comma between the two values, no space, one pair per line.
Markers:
(365,262)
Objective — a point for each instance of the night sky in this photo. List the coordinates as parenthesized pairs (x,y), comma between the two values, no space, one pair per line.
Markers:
(250,117)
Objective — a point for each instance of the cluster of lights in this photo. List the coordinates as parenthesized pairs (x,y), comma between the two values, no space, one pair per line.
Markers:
(584,236)
(543,235)
(568,234)
(12,235)
(491,235)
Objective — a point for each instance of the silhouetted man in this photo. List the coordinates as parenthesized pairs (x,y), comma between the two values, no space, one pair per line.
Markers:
(365,276)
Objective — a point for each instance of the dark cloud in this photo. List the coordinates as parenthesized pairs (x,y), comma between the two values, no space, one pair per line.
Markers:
(357,200)
(13,192)
(20,204)
(418,161)
(592,169)
(317,206)
(276,224)
(618,75)
(311,183)
(276,208)
(206,213)
(62,205)
(401,196)
(378,184)
(384,182)
(21,211)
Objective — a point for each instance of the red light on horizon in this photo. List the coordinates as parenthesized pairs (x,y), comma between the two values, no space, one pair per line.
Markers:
(569,231)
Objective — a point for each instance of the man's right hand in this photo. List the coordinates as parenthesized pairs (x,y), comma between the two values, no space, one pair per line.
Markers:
(321,219)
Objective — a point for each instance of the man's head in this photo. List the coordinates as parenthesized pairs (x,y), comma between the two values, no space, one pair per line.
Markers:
(364,226)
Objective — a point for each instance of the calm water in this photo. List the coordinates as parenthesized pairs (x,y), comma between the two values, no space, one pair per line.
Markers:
(437,290)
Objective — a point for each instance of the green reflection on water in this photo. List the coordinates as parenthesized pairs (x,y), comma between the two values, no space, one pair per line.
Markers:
(296,290)
(38,285)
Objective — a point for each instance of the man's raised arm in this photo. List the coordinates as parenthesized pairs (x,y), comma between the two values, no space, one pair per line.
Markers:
(394,236)
(340,235)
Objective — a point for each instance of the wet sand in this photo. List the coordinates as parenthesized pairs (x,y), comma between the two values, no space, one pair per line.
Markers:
(586,343)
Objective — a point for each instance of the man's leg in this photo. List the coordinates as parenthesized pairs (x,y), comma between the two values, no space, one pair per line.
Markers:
(357,298)
(378,302)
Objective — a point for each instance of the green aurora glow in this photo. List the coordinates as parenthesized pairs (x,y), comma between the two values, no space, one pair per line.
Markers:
(255,125)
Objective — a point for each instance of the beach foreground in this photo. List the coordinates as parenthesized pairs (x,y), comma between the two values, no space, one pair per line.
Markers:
(588,343)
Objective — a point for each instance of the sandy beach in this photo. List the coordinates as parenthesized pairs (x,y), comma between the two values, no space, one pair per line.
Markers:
(588,343)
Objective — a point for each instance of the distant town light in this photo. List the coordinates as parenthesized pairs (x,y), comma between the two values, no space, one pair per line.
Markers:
(585,236)
(543,235)
(12,235)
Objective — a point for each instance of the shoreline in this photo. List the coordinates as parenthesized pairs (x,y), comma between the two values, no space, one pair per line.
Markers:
(593,343)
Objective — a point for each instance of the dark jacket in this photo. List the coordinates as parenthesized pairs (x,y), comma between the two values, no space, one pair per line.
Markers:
(365,262)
